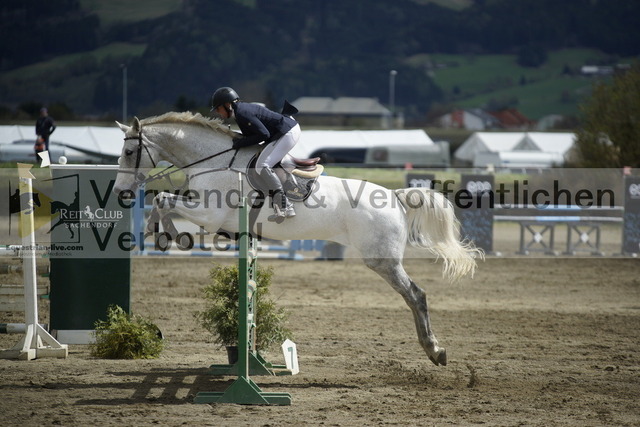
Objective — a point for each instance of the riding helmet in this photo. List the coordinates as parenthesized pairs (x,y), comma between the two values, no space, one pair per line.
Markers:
(222,96)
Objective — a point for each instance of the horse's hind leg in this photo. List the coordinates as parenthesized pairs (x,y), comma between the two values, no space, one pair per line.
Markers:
(393,272)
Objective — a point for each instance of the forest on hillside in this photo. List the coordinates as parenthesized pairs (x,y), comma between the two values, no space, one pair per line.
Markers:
(271,49)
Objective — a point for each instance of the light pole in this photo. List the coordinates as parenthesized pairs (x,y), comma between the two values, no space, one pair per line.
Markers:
(124,92)
(392,93)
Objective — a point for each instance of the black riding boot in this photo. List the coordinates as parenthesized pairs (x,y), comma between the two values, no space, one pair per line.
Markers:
(281,205)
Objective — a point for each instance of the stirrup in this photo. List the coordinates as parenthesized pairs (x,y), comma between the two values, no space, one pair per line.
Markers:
(278,216)
(282,208)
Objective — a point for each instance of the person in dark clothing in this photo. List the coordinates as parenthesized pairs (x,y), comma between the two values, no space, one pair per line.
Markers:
(279,132)
(45,125)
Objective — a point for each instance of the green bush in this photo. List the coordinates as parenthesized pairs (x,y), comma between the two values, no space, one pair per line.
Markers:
(220,316)
(124,336)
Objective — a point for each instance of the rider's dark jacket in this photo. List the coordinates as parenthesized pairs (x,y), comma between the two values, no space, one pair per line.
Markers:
(45,126)
(258,124)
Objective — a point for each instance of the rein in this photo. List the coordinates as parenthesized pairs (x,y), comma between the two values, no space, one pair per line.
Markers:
(166,172)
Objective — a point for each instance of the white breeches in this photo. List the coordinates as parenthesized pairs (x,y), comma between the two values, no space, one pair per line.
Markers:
(277,151)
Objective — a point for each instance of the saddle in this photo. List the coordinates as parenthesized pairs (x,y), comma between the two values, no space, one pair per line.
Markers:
(307,168)
(298,189)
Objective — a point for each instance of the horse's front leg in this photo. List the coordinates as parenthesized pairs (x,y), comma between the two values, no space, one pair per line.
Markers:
(163,204)
(193,211)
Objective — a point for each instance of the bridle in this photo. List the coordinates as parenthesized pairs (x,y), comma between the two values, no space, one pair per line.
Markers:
(139,176)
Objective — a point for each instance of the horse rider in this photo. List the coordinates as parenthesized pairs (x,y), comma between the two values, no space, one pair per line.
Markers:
(279,132)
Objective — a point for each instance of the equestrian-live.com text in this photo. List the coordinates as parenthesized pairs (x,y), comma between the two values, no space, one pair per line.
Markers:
(504,196)
(52,250)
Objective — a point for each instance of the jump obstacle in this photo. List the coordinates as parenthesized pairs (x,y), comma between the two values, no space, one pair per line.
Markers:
(243,390)
(12,294)
(224,248)
(36,342)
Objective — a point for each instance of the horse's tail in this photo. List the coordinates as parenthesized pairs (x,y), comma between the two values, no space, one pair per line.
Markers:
(433,226)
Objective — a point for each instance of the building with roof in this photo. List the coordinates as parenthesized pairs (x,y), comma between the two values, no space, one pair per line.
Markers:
(515,149)
(343,112)
(479,119)
(510,118)
(486,142)
(549,142)
(470,119)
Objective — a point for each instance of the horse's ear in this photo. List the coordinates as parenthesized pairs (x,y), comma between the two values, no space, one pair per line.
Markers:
(136,124)
(123,128)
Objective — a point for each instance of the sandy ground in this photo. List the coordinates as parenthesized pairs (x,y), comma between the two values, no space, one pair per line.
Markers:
(531,341)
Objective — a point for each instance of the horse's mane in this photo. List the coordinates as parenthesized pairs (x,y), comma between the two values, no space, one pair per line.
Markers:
(189,118)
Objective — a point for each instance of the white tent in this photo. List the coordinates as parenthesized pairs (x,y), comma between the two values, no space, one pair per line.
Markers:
(313,140)
(555,145)
(549,142)
(94,144)
(8,134)
(518,159)
(492,142)
(84,144)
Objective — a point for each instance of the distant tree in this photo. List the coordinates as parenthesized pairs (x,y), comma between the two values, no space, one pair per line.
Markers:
(5,113)
(58,110)
(503,103)
(567,71)
(35,30)
(610,125)
(61,111)
(32,108)
(566,123)
(532,55)
(185,104)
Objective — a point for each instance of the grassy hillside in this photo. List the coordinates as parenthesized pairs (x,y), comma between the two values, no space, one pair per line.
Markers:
(125,11)
(468,81)
(90,82)
(476,80)
(71,78)
(42,69)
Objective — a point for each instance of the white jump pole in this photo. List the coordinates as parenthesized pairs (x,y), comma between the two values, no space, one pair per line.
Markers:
(37,342)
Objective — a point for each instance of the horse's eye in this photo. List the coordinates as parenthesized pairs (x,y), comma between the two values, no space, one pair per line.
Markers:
(128,152)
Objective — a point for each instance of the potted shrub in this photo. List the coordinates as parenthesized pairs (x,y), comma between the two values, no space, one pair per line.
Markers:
(125,336)
(220,316)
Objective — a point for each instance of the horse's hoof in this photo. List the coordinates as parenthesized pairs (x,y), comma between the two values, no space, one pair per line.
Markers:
(441,359)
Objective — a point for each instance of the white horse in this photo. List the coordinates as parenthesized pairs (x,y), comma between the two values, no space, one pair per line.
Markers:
(376,221)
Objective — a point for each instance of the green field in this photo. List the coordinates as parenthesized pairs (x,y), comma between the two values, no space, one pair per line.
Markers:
(124,11)
(395,178)
(75,60)
(472,81)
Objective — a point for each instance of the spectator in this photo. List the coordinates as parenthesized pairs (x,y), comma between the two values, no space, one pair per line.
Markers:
(44,128)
